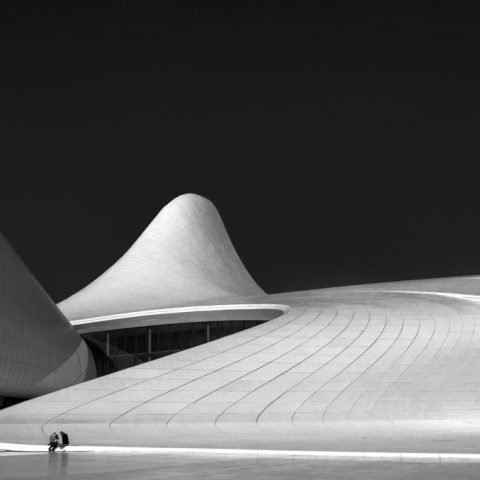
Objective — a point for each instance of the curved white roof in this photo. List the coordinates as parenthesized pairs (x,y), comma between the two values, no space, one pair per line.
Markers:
(39,350)
(185,255)
(390,367)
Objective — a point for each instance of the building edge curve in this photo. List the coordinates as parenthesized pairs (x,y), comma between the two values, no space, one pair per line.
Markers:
(184,256)
(39,349)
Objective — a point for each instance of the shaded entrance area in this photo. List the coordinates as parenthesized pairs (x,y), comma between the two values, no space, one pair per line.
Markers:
(118,349)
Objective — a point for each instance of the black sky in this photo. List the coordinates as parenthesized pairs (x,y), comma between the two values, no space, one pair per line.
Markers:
(339,142)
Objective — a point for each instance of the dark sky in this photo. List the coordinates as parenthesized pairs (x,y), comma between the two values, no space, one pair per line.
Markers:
(338,142)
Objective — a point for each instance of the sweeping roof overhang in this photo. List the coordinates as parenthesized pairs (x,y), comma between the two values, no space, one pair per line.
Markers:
(387,367)
(184,256)
(39,350)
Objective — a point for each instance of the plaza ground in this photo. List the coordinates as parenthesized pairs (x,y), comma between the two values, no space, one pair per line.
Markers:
(22,466)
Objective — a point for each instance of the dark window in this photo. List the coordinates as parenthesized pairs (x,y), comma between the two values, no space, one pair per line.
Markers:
(129,346)
(120,342)
(142,343)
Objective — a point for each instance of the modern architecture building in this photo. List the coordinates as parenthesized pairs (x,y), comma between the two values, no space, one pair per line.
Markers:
(40,351)
(188,351)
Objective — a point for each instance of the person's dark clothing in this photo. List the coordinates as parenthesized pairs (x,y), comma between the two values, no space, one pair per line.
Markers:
(64,441)
(53,442)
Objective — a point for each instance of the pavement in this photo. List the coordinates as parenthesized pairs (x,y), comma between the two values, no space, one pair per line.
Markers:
(122,466)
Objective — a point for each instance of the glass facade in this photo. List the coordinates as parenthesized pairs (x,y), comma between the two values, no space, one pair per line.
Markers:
(115,350)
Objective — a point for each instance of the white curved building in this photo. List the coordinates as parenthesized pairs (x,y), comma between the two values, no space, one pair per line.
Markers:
(387,367)
(184,256)
(39,350)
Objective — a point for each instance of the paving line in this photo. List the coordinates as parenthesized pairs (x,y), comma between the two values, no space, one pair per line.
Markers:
(321,454)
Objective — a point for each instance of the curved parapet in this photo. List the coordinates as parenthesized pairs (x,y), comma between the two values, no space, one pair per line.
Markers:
(184,256)
(39,350)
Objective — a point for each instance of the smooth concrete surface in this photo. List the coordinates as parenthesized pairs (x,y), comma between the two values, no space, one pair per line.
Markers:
(372,368)
(343,369)
(39,350)
(185,255)
(72,466)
